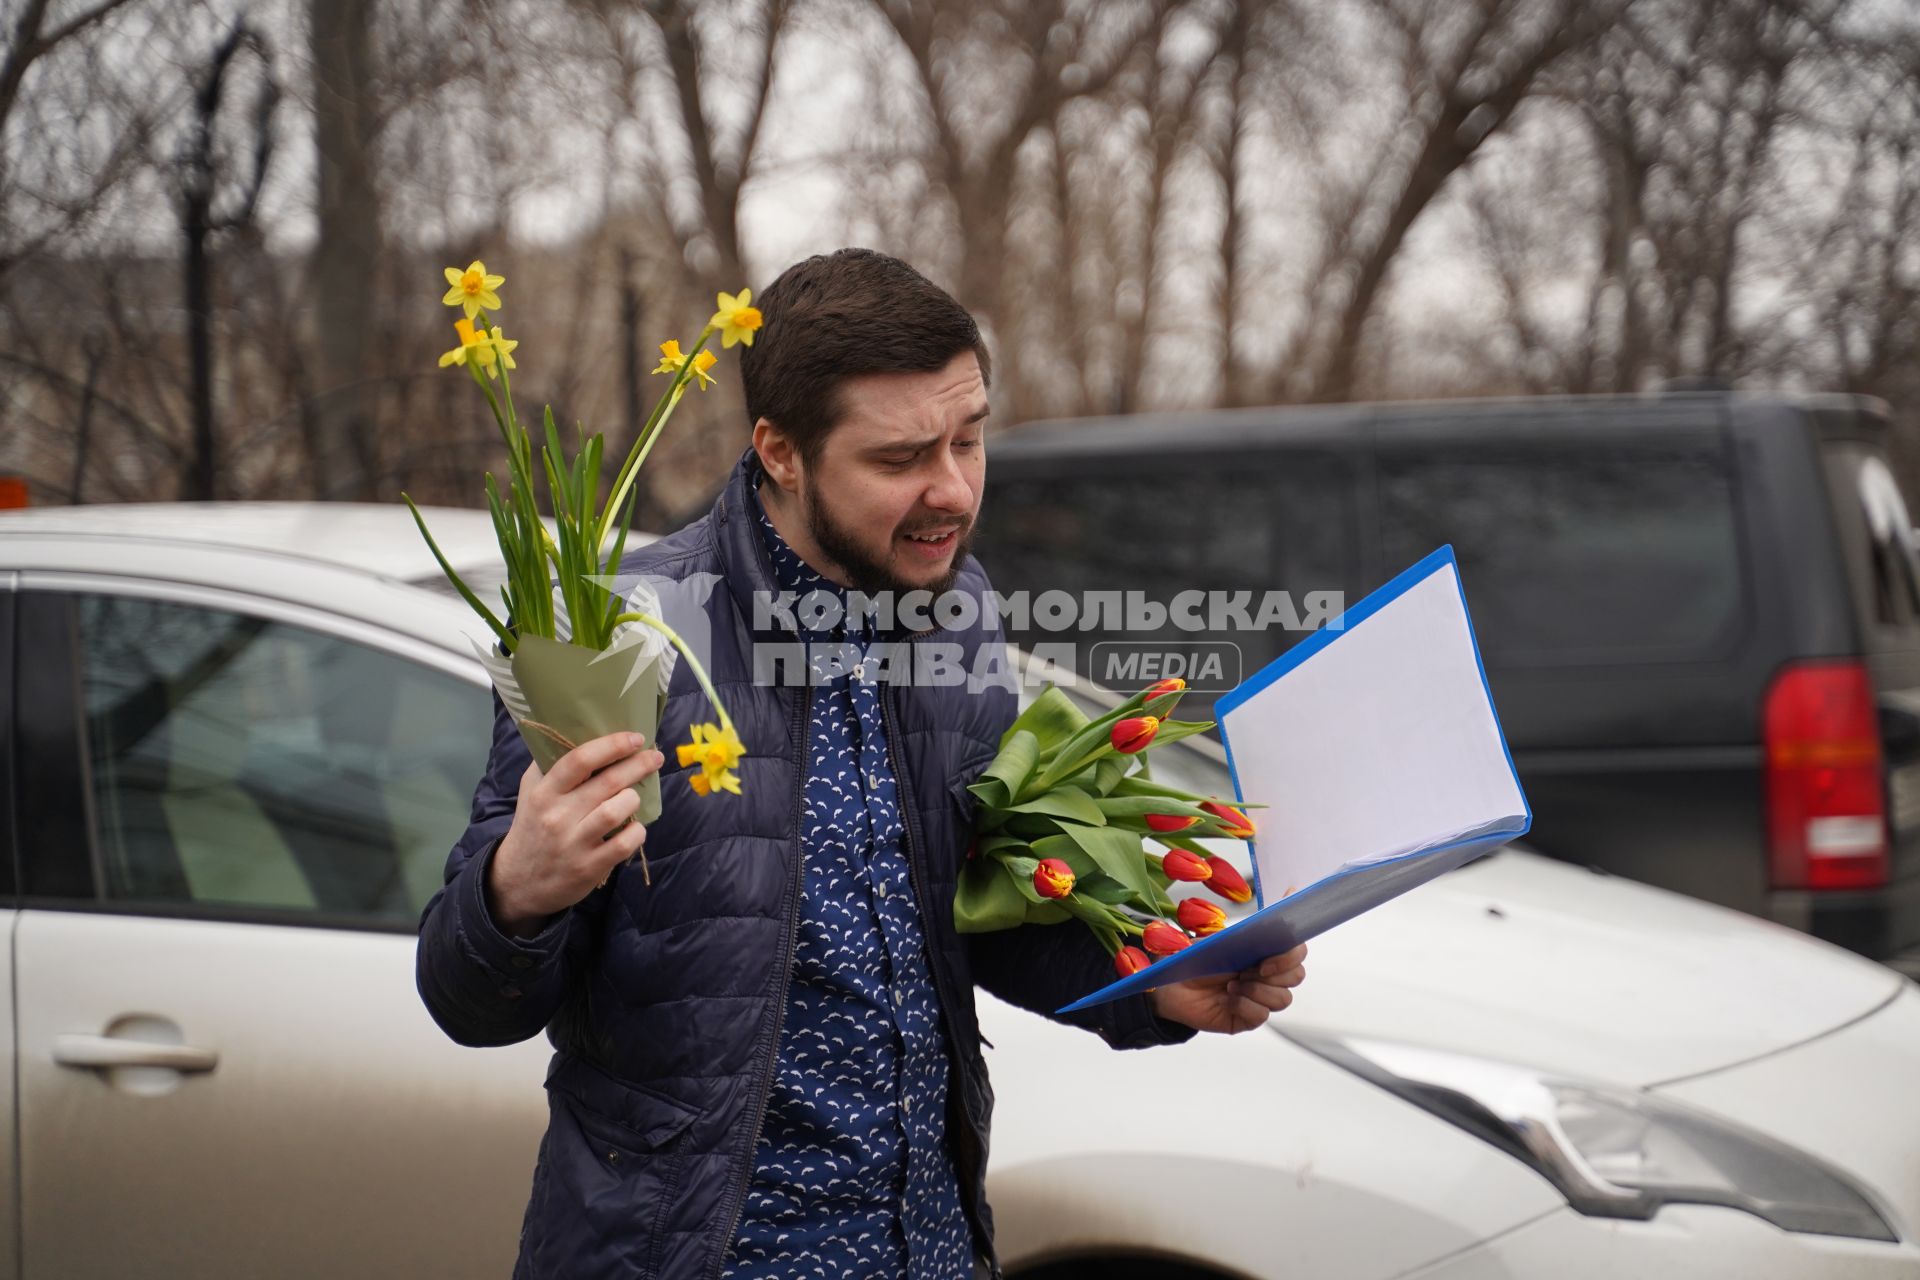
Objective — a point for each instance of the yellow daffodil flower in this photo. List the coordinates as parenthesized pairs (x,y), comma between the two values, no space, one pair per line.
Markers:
(671,361)
(473,288)
(716,751)
(503,347)
(476,348)
(735,319)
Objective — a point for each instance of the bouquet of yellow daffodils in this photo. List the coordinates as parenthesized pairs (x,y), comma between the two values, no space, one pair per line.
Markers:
(578,657)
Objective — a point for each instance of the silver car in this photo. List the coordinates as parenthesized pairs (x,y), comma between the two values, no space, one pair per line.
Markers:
(238,740)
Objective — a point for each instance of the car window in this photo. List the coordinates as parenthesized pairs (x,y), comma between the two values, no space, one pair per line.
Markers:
(1578,551)
(237,761)
(1162,528)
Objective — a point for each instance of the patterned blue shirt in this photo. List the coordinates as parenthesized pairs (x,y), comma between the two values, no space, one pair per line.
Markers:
(852,1174)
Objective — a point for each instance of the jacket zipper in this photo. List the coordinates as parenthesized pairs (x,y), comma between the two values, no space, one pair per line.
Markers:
(802,705)
(914,847)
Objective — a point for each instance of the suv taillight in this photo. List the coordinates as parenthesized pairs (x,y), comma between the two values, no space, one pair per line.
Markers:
(1826,806)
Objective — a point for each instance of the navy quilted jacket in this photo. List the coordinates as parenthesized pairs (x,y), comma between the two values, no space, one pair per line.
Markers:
(663,1002)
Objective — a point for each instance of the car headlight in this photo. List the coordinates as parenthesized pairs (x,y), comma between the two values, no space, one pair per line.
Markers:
(1615,1152)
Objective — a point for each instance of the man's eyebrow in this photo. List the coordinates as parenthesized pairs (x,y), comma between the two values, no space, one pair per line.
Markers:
(926,442)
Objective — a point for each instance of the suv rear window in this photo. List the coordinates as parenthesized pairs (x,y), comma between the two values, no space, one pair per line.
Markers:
(1623,549)
(1236,526)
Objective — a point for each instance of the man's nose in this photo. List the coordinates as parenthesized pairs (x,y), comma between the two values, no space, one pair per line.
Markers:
(948,490)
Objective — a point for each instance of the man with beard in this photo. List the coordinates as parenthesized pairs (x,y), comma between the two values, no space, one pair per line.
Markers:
(767,1059)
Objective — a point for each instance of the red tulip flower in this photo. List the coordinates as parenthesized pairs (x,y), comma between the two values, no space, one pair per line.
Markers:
(1181,865)
(1130,960)
(1053,878)
(1134,733)
(1200,917)
(1169,822)
(1162,939)
(1236,821)
(1161,695)
(1227,881)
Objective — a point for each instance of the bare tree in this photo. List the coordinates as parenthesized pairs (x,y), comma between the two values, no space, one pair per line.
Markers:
(201,166)
(1683,108)
(346,255)
(32,35)
(991,77)
(1464,70)
(60,53)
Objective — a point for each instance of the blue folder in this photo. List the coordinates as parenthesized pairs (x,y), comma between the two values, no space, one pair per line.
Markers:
(1345,893)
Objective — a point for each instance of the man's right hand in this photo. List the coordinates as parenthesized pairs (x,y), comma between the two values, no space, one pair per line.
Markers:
(569,831)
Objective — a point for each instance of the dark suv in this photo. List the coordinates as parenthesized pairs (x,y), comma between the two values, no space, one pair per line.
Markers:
(1700,613)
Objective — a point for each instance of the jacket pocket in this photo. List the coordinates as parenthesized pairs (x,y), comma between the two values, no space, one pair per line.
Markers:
(611,1177)
(629,1117)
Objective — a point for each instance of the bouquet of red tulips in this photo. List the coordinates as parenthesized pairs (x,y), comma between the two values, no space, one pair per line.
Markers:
(1065,812)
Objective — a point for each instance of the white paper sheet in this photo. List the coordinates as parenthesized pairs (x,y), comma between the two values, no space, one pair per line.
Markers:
(1381,743)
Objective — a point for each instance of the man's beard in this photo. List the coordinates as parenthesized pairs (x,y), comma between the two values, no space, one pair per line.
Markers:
(867,574)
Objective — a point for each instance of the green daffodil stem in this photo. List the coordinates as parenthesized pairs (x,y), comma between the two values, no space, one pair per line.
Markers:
(493,402)
(537,544)
(699,672)
(650,432)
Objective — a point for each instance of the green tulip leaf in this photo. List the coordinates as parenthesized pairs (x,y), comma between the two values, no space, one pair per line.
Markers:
(1029,827)
(1174,730)
(986,899)
(1070,803)
(1131,811)
(1105,889)
(1051,718)
(1002,779)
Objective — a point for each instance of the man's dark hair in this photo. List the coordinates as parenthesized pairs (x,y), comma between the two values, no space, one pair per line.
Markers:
(839,315)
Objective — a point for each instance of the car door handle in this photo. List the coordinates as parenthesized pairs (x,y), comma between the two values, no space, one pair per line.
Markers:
(108,1051)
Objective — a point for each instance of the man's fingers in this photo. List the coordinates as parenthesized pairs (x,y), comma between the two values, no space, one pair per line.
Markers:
(1267,995)
(1287,978)
(613,811)
(591,756)
(619,776)
(624,843)
(619,848)
(1248,1014)
(1273,966)
(1281,977)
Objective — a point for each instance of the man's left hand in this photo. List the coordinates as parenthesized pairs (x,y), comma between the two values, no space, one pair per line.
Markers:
(1233,1002)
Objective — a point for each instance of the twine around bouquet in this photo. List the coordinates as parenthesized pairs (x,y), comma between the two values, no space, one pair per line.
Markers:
(554,735)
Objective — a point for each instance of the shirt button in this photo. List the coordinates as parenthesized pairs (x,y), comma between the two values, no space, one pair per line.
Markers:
(899,997)
(882,889)
(523,962)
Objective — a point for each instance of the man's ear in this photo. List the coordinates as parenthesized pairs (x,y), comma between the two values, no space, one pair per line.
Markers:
(779,455)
